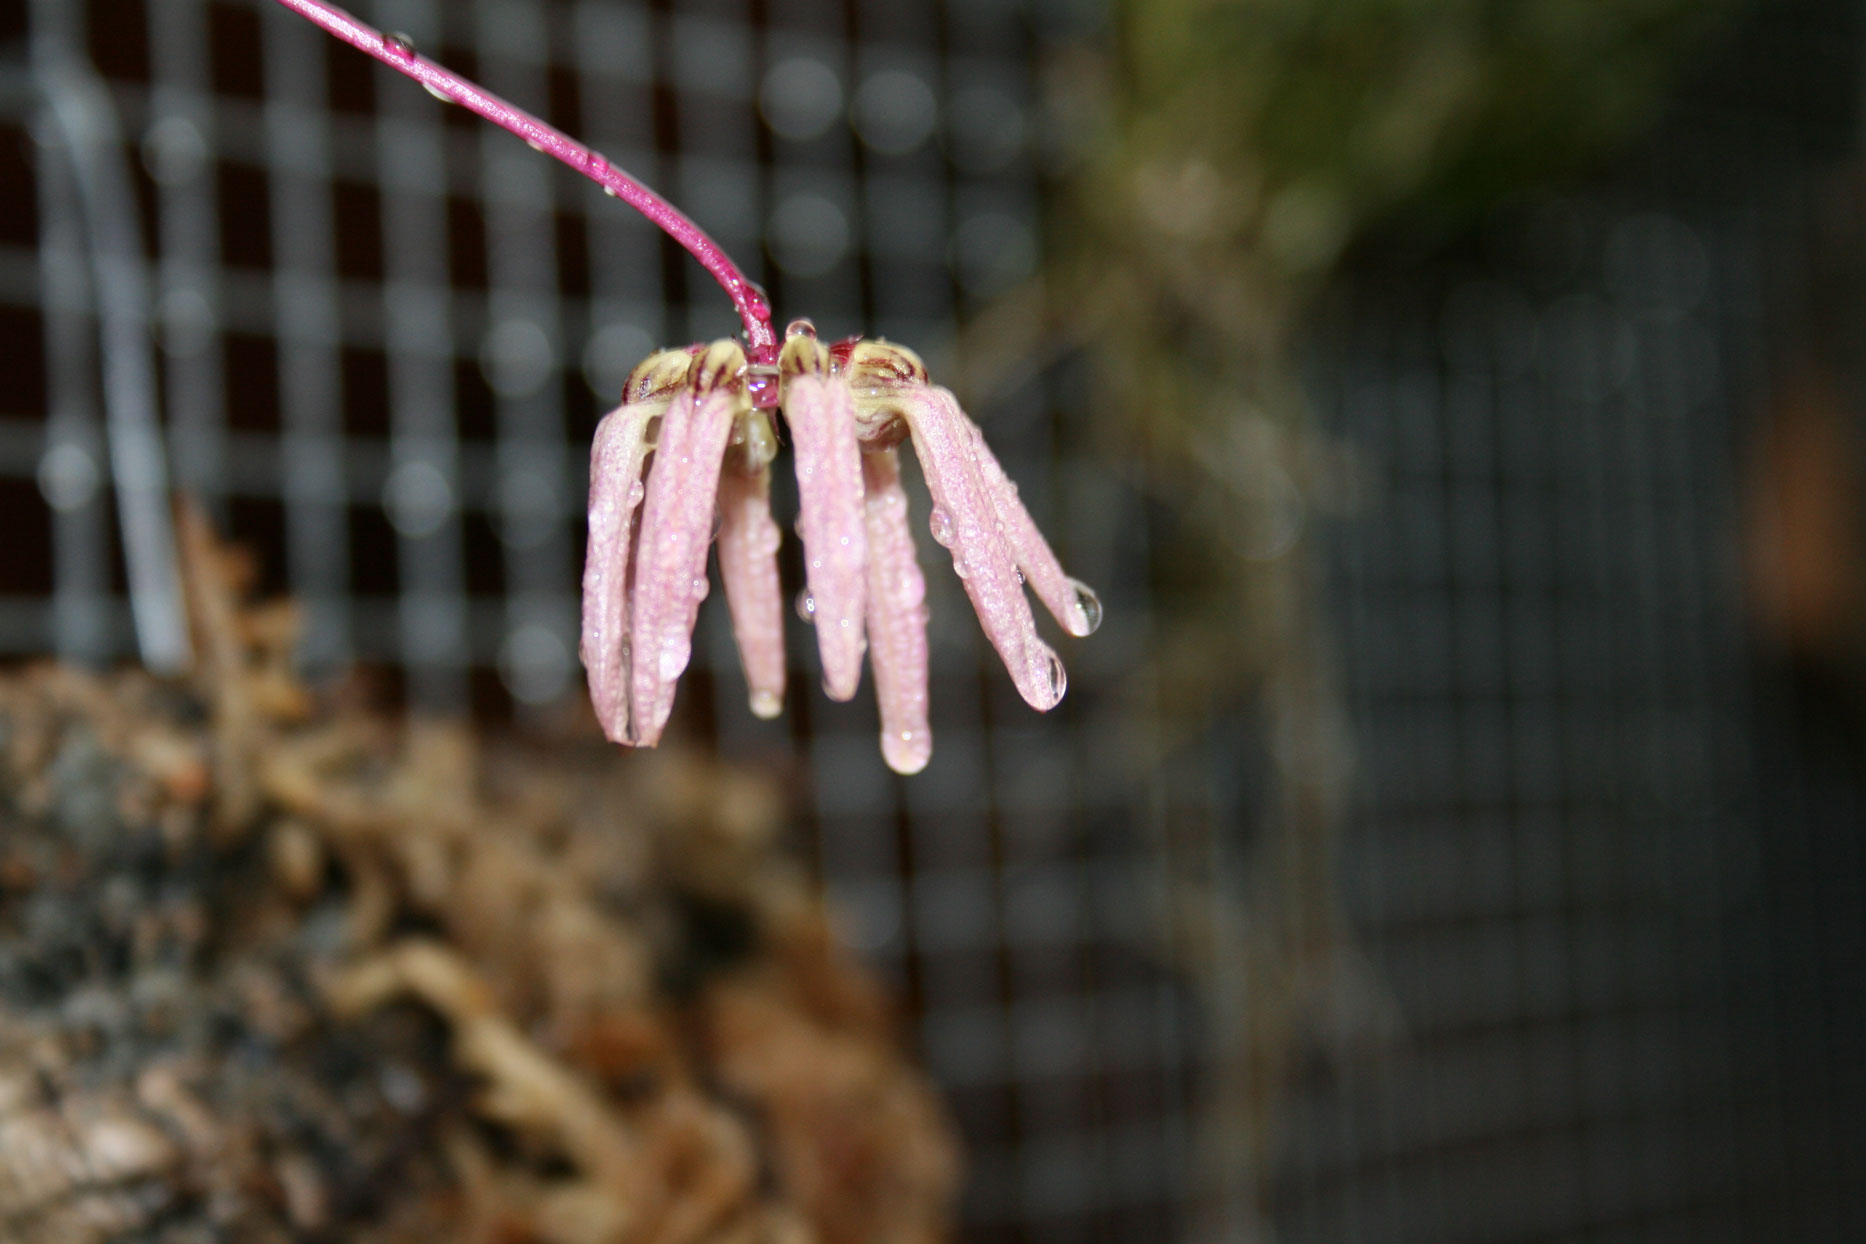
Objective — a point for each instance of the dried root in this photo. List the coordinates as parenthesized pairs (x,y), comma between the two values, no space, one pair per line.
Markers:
(272,973)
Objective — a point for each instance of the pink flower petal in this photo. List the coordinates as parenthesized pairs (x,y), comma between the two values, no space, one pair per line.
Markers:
(897,619)
(676,527)
(821,413)
(616,457)
(1070,601)
(748,545)
(965,520)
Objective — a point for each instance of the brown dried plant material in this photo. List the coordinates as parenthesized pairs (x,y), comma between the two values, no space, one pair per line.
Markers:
(269,973)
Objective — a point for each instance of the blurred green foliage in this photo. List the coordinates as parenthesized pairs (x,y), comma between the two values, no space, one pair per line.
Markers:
(1231,155)
(1288,127)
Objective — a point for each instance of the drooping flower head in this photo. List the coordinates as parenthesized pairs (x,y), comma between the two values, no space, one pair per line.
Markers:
(688,438)
(693,437)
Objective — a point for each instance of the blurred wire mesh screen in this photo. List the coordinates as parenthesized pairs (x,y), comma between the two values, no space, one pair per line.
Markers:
(384,334)
(1597,860)
(1548,684)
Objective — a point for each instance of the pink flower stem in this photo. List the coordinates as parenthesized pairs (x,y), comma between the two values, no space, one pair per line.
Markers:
(398,54)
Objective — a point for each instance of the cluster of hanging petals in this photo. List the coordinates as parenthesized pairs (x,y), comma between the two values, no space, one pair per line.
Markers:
(688,441)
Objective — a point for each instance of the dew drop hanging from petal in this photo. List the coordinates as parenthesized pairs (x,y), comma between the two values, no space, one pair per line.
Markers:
(1088,603)
(1055,677)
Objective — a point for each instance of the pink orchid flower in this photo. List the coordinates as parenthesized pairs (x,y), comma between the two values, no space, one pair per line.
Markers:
(848,408)
(701,416)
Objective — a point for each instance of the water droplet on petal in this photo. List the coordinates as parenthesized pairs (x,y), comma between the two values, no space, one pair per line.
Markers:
(675,651)
(1054,677)
(399,45)
(939,522)
(636,491)
(800,328)
(700,587)
(959,567)
(806,607)
(766,704)
(437,92)
(906,751)
(1089,604)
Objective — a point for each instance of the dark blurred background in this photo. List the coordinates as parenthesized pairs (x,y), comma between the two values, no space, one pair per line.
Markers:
(1455,832)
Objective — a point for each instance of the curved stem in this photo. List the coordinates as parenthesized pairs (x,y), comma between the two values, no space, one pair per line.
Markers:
(398,54)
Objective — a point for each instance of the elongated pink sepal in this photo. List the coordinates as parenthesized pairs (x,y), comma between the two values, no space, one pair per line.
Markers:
(1071,602)
(897,617)
(965,520)
(616,490)
(821,414)
(676,527)
(748,545)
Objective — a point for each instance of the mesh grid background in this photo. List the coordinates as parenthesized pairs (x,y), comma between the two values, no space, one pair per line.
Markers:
(1598,863)
(1556,852)
(384,334)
